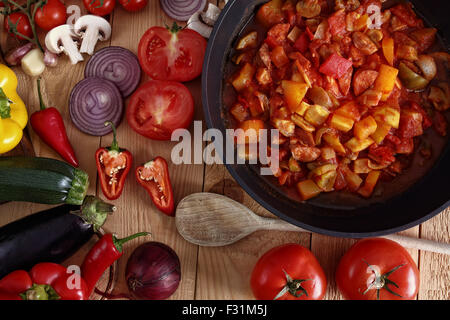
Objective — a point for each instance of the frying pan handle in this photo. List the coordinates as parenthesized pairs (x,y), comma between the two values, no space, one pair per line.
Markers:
(420,244)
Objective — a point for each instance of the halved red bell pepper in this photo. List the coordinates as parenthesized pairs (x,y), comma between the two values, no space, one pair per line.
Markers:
(154,177)
(113,165)
(335,66)
(45,281)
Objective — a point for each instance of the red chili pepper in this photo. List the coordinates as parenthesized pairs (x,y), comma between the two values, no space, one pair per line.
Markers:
(102,255)
(49,126)
(45,281)
(335,66)
(113,165)
(154,177)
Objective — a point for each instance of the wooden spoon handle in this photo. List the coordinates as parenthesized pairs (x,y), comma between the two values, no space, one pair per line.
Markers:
(420,244)
(405,241)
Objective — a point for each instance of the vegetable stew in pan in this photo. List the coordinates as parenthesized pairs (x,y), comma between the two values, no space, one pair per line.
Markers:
(359,94)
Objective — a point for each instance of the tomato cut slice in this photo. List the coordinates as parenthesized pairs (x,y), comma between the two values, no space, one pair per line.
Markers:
(157,108)
(172,54)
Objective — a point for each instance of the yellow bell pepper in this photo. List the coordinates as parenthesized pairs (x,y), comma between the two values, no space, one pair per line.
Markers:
(13,113)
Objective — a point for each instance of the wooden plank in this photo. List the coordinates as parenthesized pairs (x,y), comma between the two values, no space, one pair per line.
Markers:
(224,272)
(435,268)
(136,211)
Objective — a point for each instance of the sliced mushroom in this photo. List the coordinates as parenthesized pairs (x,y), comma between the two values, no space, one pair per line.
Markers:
(91,28)
(427,65)
(211,15)
(196,23)
(62,39)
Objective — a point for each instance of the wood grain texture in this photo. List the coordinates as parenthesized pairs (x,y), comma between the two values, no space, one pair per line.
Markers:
(207,273)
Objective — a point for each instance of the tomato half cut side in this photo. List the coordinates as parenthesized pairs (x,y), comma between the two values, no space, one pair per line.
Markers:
(157,108)
(172,54)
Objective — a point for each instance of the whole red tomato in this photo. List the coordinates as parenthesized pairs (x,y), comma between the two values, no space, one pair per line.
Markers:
(22,24)
(288,272)
(157,108)
(133,5)
(377,269)
(100,7)
(172,54)
(51,15)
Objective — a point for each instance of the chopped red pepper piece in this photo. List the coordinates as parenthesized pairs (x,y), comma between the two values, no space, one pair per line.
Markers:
(154,177)
(302,43)
(335,66)
(336,23)
(113,165)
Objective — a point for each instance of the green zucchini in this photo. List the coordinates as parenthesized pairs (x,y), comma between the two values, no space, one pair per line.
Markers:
(41,180)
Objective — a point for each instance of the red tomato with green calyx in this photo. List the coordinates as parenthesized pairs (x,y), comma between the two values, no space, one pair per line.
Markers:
(133,5)
(51,15)
(288,272)
(21,23)
(100,7)
(174,54)
(377,269)
(157,108)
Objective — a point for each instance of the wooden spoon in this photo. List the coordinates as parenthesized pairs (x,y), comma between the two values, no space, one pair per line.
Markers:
(209,219)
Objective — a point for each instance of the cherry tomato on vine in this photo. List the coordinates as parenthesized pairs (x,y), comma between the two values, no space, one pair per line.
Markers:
(22,24)
(288,272)
(174,53)
(100,7)
(133,5)
(51,15)
(377,269)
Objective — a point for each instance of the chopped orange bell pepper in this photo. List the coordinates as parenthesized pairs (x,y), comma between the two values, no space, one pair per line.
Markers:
(385,81)
(388,49)
(294,92)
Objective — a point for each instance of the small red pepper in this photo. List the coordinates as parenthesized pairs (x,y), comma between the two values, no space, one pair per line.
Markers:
(49,126)
(102,255)
(154,177)
(335,66)
(113,165)
(45,281)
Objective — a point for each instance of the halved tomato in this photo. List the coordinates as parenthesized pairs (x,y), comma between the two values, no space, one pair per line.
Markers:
(172,54)
(157,108)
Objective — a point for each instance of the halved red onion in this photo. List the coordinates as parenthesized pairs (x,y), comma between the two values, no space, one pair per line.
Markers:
(93,101)
(118,65)
(182,10)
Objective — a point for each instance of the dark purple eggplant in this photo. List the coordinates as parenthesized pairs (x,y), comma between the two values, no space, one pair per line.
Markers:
(52,235)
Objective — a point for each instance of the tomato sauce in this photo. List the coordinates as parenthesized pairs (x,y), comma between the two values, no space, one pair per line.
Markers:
(361,109)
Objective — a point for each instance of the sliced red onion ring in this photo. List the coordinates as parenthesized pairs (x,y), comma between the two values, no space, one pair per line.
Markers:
(93,101)
(118,65)
(182,10)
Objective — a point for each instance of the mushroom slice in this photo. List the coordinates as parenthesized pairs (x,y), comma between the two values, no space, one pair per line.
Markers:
(196,23)
(211,15)
(62,39)
(91,28)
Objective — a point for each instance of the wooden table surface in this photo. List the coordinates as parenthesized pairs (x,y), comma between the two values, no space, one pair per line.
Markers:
(207,273)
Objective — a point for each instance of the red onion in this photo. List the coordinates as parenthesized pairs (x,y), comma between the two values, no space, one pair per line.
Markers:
(14,57)
(93,101)
(182,10)
(153,271)
(118,65)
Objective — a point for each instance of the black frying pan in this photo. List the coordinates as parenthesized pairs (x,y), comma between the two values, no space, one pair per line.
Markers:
(418,203)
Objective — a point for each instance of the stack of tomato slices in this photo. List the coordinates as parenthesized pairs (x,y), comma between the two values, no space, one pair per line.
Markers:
(350,98)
